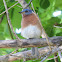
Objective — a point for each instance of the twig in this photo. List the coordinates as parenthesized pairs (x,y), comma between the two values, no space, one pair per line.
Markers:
(28,4)
(24,4)
(55,59)
(43,31)
(52,52)
(60,56)
(52,58)
(19,6)
(44,35)
(10,31)
(9,8)
(9,21)
(33,7)
(57,26)
(13,52)
(45,57)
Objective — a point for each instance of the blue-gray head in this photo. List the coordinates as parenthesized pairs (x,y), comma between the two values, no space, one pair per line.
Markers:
(26,12)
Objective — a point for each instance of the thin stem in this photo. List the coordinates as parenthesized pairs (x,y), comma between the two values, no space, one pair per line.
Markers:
(9,21)
(9,8)
(43,30)
(28,4)
(10,31)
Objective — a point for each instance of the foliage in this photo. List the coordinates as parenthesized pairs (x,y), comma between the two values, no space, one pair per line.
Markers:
(44,8)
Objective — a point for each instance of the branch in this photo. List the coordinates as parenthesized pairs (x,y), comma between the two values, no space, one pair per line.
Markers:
(55,50)
(9,8)
(11,35)
(28,4)
(27,54)
(24,4)
(9,21)
(25,43)
(19,6)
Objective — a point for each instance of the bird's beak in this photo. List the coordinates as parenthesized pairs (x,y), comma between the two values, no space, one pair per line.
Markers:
(22,12)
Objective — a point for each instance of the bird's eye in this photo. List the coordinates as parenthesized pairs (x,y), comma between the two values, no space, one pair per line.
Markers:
(26,11)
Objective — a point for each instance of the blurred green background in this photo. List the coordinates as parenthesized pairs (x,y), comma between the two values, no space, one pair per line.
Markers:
(49,11)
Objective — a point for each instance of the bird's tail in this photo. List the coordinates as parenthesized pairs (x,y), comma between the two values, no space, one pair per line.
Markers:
(35,51)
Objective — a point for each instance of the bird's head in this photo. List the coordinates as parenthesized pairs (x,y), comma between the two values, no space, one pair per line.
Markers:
(26,12)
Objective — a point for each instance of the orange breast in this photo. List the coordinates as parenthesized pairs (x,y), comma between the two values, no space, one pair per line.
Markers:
(30,20)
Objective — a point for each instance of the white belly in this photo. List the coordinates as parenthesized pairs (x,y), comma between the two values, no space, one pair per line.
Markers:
(31,32)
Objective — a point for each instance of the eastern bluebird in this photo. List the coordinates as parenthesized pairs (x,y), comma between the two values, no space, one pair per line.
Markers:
(30,27)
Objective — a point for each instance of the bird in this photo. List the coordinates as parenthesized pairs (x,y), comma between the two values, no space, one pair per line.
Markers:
(30,27)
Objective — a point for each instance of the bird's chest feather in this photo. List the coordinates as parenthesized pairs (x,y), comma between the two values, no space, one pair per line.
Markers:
(31,32)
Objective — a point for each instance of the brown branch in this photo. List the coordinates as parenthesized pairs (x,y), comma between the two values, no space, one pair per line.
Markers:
(27,54)
(25,43)
(9,21)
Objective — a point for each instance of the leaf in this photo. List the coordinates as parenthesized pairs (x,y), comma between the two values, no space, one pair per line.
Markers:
(49,25)
(44,4)
(58,4)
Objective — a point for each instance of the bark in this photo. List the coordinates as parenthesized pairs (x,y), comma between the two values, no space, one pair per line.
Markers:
(25,43)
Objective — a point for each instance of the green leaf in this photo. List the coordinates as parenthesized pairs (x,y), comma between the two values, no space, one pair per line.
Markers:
(44,4)
(58,4)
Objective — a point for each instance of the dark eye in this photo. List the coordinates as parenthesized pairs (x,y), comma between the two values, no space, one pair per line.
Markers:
(26,11)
